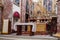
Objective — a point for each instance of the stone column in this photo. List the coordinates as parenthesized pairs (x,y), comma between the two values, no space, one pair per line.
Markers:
(58,14)
(23,10)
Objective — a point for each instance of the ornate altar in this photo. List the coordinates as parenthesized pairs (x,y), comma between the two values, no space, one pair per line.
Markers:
(39,15)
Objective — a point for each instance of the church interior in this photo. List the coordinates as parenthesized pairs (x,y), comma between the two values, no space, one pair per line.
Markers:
(33,17)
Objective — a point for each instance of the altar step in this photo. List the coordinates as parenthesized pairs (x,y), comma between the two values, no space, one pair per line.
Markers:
(36,37)
(36,33)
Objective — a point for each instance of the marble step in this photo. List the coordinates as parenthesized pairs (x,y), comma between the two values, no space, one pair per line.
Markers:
(37,37)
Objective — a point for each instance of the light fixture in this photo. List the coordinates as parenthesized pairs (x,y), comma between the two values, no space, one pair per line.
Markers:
(35,0)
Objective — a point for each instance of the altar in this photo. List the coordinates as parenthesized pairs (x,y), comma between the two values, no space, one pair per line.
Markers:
(19,27)
(32,28)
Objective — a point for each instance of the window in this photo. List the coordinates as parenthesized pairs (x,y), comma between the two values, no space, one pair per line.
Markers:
(17,2)
(48,5)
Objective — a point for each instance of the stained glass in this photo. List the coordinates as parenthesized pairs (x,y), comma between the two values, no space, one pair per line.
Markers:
(17,2)
(48,5)
(45,4)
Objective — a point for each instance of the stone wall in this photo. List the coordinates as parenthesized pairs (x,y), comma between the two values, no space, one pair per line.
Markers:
(7,8)
(6,11)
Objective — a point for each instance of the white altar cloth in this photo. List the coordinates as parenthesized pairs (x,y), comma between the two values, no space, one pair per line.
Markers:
(33,25)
